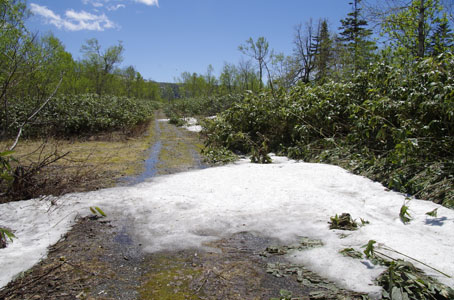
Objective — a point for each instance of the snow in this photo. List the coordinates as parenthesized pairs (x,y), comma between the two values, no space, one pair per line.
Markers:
(191,125)
(283,200)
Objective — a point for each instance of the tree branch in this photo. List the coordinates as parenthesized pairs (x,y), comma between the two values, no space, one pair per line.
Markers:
(34,114)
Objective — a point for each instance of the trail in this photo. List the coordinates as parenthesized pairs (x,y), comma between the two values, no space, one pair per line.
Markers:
(106,258)
(173,150)
(101,260)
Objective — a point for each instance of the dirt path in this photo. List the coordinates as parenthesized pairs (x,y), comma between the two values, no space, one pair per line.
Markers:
(99,259)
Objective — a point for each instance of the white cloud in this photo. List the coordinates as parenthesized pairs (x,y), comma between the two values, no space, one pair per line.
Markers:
(49,15)
(99,3)
(115,7)
(148,2)
(74,21)
(93,2)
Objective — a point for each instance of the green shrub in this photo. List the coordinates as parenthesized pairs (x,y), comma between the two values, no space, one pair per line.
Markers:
(202,106)
(392,127)
(79,114)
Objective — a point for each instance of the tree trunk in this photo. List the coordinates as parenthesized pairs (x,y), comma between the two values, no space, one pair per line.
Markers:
(421,30)
(260,74)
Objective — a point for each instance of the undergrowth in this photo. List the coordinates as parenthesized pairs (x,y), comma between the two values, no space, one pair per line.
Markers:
(392,127)
(402,280)
(70,115)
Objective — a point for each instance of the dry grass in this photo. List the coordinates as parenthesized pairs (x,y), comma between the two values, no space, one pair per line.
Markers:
(90,163)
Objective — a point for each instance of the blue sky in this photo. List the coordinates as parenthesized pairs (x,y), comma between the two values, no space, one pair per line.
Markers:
(163,38)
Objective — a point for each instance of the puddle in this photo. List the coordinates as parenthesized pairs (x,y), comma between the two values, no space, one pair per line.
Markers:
(173,151)
(150,165)
(151,162)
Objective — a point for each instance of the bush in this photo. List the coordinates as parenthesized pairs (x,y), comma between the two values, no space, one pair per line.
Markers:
(202,106)
(393,127)
(80,114)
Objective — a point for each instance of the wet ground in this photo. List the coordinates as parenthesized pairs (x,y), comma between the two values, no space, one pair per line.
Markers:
(102,259)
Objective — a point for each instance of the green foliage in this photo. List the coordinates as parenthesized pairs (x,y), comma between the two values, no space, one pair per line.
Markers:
(201,106)
(369,251)
(258,50)
(81,114)
(364,222)
(433,213)
(284,295)
(95,210)
(5,166)
(177,121)
(355,40)
(5,235)
(350,252)
(343,222)
(218,156)
(394,127)
(402,280)
(409,28)
(404,215)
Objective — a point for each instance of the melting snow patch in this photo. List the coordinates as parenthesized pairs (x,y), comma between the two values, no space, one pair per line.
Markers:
(191,125)
(283,200)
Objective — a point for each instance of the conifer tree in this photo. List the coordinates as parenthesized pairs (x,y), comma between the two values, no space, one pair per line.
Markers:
(355,36)
(442,40)
(324,49)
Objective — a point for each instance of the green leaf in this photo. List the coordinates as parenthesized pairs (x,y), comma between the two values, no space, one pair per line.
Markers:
(100,211)
(285,294)
(369,251)
(6,153)
(6,234)
(404,215)
(396,294)
(92,210)
(433,213)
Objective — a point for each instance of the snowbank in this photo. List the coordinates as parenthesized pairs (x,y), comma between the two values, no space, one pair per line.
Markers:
(283,200)
(192,125)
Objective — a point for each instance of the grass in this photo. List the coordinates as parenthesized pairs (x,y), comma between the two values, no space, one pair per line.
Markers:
(177,149)
(91,163)
(170,279)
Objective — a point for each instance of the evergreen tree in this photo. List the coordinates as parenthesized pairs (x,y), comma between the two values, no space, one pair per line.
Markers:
(355,36)
(323,50)
(442,40)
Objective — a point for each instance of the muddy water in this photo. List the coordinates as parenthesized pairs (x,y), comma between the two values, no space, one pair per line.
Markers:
(173,150)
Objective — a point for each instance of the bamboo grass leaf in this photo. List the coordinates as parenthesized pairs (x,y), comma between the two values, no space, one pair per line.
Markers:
(100,211)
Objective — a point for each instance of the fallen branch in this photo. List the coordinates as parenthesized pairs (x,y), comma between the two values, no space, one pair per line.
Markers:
(418,261)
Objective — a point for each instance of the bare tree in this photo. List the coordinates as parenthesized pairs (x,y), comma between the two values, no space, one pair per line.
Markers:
(259,51)
(305,50)
(247,74)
